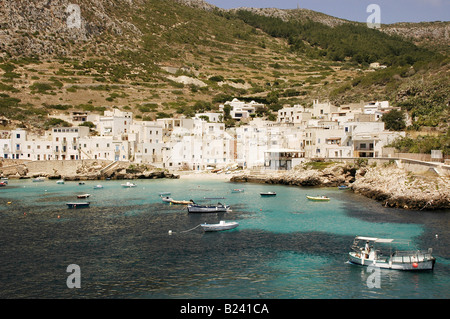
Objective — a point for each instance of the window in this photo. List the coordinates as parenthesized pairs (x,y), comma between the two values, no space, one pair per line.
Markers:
(17,135)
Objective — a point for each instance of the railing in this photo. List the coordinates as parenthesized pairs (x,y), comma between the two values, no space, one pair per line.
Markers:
(411,256)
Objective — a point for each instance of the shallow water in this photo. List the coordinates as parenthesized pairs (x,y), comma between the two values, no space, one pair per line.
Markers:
(285,247)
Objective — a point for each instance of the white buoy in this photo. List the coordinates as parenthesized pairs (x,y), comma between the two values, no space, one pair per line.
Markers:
(170,232)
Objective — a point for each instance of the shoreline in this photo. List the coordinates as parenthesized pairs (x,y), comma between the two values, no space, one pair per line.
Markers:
(386,183)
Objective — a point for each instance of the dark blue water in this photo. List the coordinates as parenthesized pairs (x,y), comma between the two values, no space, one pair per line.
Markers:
(285,247)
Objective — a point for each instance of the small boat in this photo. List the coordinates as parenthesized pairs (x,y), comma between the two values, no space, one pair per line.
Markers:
(61,181)
(98,186)
(78,205)
(318,198)
(197,208)
(81,183)
(268,194)
(399,260)
(83,196)
(343,187)
(39,179)
(222,225)
(166,199)
(237,190)
(128,184)
(165,193)
(3,183)
(181,202)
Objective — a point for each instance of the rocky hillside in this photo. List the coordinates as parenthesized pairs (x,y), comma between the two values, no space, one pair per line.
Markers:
(160,58)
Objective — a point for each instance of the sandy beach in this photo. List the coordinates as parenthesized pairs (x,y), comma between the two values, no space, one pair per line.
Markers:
(204,175)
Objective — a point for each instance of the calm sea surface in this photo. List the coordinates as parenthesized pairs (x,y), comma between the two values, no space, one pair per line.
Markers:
(285,247)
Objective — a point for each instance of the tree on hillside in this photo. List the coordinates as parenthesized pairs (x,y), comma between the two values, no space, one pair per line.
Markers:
(394,120)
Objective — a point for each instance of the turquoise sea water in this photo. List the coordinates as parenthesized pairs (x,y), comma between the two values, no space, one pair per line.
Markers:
(285,247)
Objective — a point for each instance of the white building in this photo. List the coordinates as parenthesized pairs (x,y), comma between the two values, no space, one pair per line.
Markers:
(204,145)
(296,114)
(114,123)
(323,110)
(212,117)
(241,110)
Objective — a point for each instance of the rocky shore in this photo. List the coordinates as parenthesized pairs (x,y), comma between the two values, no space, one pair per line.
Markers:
(81,170)
(392,186)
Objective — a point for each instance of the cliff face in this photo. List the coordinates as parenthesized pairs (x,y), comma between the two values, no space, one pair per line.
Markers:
(393,187)
(50,27)
(396,188)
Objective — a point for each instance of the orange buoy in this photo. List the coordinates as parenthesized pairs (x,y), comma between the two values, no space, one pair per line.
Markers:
(415,265)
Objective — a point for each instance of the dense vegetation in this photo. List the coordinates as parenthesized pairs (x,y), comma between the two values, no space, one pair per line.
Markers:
(352,41)
(423,144)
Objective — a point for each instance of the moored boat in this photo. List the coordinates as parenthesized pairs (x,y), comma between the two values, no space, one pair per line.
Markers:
(78,204)
(128,184)
(61,181)
(83,196)
(197,208)
(268,194)
(318,198)
(98,186)
(237,190)
(222,225)
(166,199)
(39,179)
(341,187)
(181,202)
(369,255)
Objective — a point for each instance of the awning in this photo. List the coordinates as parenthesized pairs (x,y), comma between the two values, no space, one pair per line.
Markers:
(374,239)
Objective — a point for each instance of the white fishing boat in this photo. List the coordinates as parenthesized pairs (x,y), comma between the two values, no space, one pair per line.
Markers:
(98,186)
(61,181)
(197,208)
(128,184)
(39,179)
(222,225)
(369,255)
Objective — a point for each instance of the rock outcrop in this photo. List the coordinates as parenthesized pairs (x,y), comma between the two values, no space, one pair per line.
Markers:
(392,186)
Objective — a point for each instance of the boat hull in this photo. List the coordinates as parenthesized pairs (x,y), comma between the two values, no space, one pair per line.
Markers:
(267,194)
(318,199)
(207,209)
(417,265)
(219,227)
